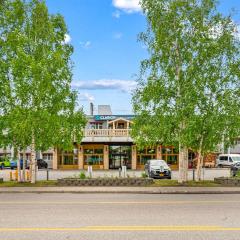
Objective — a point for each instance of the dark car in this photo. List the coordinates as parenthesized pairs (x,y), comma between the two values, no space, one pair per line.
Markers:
(157,169)
(41,164)
(235,168)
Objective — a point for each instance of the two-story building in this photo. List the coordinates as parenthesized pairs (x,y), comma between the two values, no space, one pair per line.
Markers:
(107,144)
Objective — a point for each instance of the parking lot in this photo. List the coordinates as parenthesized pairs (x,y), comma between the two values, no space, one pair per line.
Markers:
(207,174)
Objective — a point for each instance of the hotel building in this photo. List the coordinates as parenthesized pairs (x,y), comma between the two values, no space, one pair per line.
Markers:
(107,144)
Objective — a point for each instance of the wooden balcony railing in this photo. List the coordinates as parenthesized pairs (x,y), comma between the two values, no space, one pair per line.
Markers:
(107,132)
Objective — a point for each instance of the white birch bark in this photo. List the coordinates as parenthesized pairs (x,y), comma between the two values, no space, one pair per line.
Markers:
(33,161)
(199,161)
(24,166)
(19,179)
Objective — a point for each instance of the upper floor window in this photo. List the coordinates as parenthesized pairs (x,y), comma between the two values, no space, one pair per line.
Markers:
(96,125)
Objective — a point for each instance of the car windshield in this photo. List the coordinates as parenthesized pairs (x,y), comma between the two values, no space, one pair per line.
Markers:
(158,163)
(236,159)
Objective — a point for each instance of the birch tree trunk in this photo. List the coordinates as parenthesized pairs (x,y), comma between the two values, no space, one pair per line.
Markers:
(19,179)
(185,169)
(33,161)
(24,166)
(199,161)
(183,164)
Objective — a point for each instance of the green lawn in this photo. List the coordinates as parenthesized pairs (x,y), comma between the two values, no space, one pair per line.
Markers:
(28,184)
(174,183)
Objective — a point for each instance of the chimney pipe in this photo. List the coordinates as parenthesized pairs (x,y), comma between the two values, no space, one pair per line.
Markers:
(91,109)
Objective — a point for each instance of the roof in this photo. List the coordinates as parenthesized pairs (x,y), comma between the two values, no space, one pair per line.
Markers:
(119,119)
(104,110)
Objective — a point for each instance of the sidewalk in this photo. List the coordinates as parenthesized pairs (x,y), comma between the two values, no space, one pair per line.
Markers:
(129,190)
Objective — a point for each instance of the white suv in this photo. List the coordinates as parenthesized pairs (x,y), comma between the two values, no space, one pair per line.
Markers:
(227,160)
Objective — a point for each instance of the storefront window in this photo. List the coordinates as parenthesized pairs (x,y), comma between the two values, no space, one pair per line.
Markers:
(88,151)
(145,154)
(151,150)
(170,155)
(98,151)
(172,160)
(93,160)
(142,160)
(67,159)
(93,155)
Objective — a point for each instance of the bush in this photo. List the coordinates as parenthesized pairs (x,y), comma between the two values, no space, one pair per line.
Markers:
(144,175)
(238,174)
(82,175)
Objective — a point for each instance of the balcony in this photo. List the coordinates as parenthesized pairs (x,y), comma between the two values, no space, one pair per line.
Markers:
(107,135)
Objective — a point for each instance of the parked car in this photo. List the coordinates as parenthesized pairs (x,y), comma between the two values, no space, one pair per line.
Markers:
(4,163)
(157,169)
(41,164)
(227,160)
(49,162)
(235,168)
(13,164)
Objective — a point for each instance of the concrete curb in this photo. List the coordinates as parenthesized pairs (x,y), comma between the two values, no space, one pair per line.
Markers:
(123,190)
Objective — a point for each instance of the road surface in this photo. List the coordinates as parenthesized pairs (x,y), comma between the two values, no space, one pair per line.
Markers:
(119,216)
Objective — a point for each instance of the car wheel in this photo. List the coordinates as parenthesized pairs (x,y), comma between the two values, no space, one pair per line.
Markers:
(220,165)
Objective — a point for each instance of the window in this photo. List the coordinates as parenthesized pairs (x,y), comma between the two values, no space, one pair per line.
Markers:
(96,125)
(143,155)
(88,151)
(47,156)
(93,155)
(223,158)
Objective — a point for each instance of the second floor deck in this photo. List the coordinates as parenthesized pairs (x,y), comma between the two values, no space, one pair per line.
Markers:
(107,135)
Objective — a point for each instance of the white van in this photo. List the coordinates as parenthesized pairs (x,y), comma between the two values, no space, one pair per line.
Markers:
(226,160)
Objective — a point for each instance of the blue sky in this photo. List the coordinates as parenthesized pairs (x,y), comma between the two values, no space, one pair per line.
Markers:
(106,51)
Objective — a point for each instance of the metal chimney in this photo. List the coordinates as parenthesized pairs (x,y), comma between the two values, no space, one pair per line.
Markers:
(91,109)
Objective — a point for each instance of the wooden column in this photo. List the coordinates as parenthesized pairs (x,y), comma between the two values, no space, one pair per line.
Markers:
(159,152)
(80,157)
(55,158)
(134,157)
(106,157)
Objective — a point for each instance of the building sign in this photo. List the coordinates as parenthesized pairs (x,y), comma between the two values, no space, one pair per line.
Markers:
(111,117)
(102,118)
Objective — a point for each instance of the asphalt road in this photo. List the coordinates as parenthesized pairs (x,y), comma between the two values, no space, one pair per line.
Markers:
(119,216)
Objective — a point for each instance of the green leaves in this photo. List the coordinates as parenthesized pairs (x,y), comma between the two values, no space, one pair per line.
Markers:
(189,86)
(36,74)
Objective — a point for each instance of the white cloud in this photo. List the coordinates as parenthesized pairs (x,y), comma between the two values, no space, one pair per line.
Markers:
(86,45)
(216,31)
(237,32)
(117,35)
(67,39)
(86,97)
(116,14)
(122,85)
(128,6)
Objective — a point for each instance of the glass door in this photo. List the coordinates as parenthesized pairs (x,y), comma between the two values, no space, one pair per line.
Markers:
(119,156)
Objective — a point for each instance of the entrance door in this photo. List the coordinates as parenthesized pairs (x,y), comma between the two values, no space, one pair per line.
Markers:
(119,156)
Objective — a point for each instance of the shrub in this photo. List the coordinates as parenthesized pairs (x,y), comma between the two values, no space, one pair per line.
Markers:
(144,175)
(82,175)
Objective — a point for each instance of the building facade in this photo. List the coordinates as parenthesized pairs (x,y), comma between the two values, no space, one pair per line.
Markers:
(107,144)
